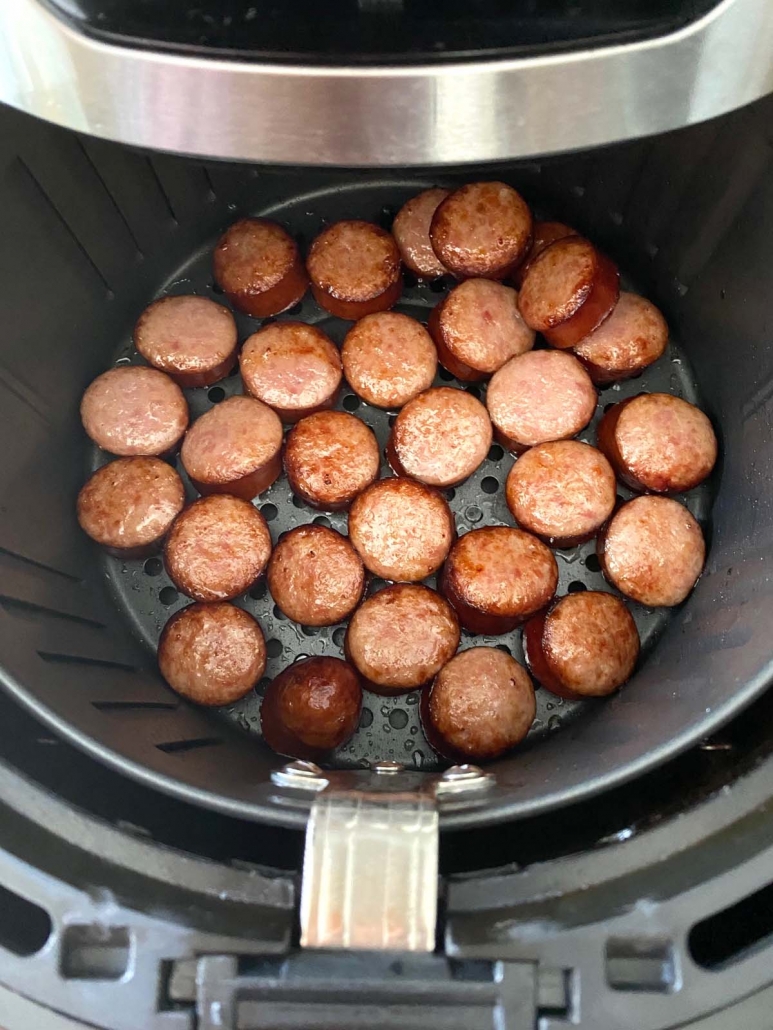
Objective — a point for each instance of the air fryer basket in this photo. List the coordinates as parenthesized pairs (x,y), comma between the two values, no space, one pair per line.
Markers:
(92,231)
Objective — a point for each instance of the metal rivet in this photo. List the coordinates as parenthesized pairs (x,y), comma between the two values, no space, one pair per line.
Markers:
(386,768)
(461,778)
(462,772)
(302,775)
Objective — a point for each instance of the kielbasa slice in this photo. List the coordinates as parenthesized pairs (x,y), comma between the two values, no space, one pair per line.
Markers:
(497,577)
(134,410)
(217,548)
(440,437)
(545,233)
(192,339)
(658,442)
(234,448)
(128,505)
(401,529)
(258,266)
(480,705)
(315,576)
(482,230)
(585,646)
(212,654)
(653,551)
(477,328)
(562,492)
(330,458)
(540,396)
(293,367)
(354,268)
(633,337)
(411,231)
(401,637)
(568,291)
(312,707)
(389,359)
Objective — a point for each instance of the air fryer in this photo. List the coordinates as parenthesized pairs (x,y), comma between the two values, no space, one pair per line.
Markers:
(95,228)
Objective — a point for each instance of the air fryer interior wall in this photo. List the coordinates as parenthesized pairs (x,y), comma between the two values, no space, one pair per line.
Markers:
(91,231)
(365,31)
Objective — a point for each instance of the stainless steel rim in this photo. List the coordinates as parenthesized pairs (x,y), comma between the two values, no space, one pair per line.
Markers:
(440,114)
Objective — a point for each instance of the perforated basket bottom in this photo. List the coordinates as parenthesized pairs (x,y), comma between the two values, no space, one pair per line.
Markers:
(389,727)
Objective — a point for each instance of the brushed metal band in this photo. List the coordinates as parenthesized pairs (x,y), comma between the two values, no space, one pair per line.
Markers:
(439,114)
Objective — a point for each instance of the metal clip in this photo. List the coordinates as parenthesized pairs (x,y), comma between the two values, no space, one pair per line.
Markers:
(370,867)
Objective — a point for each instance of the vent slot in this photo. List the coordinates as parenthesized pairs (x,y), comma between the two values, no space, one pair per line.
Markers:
(177,746)
(67,228)
(30,608)
(74,659)
(134,706)
(24,927)
(729,935)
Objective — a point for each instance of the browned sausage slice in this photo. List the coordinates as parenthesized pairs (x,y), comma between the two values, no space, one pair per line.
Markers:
(212,654)
(355,269)
(658,442)
(401,529)
(497,577)
(315,576)
(259,268)
(562,491)
(401,637)
(217,548)
(538,397)
(411,231)
(478,327)
(235,448)
(653,551)
(586,646)
(482,230)
(568,291)
(440,437)
(128,505)
(389,359)
(545,233)
(134,410)
(632,338)
(192,339)
(480,705)
(331,457)
(311,708)
(292,367)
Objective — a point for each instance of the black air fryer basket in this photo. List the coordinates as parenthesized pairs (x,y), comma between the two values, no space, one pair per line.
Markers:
(612,871)
(80,649)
